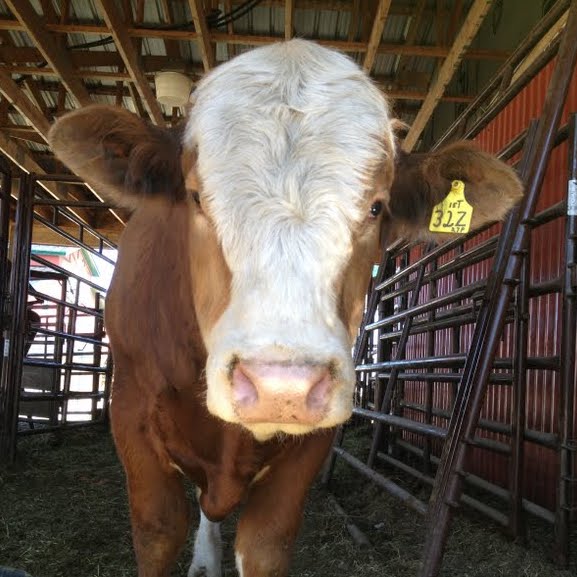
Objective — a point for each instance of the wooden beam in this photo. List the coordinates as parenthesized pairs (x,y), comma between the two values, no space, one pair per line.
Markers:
(202,34)
(230,49)
(19,155)
(35,95)
(376,34)
(18,98)
(56,57)
(258,40)
(171,46)
(132,61)
(289,11)
(23,133)
(541,46)
(411,33)
(468,31)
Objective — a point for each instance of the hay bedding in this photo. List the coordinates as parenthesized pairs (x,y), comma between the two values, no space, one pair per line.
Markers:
(63,513)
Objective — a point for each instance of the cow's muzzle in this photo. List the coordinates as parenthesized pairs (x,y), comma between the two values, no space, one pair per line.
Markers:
(281,393)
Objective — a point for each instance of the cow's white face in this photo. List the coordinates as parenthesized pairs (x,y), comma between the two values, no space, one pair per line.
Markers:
(288,141)
(290,155)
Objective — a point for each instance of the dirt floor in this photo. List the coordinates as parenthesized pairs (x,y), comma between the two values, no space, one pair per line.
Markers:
(63,513)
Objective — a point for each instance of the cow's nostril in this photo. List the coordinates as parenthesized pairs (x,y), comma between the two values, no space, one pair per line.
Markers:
(244,393)
(318,396)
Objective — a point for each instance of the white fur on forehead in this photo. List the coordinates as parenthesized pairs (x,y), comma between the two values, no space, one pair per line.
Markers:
(288,134)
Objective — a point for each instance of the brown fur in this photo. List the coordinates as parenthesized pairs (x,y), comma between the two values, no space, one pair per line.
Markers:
(170,285)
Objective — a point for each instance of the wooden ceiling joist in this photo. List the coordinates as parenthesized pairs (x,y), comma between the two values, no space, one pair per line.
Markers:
(202,34)
(289,11)
(56,57)
(258,40)
(376,34)
(23,104)
(132,60)
(468,31)
(23,159)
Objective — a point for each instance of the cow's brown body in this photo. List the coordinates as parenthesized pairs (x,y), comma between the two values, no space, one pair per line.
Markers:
(162,428)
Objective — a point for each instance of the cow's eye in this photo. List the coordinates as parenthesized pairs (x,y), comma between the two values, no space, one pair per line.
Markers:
(376,208)
(195,197)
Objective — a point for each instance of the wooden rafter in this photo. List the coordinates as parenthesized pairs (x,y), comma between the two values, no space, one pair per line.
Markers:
(25,106)
(412,33)
(52,53)
(124,45)
(202,34)
(259,40)
(468,31)
(376,34)
(171,46)
(289,11)
(23,159)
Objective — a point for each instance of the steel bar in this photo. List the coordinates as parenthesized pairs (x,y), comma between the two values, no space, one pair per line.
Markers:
(458,294)
(73,203)
(68,336)
(15,335)
(567,458)
(83,226)
(64,303)
(71,238)
(488,329)
(549,440)
(495,378)
(59,427)
(425,478)
(460,360)
(70,366)
(400,353)
(427,430)
(5,199)
(67,273)
(463,260)
(490,488)
(382,481)
(28,396)
(516,525)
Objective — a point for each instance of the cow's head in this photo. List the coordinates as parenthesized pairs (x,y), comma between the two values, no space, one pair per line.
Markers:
(290,157)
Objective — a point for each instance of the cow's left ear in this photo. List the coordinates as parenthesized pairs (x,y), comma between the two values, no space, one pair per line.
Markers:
(120,154)
(423,180)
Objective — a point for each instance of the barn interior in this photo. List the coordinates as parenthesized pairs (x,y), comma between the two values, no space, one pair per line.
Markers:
(465,397)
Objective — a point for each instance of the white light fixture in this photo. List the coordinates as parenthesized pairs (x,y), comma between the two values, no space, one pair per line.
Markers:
(172,88)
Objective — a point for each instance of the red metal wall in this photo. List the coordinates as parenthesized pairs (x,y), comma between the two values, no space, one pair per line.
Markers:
(546,262)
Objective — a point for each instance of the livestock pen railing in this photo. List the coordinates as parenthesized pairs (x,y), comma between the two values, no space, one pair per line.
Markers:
(448,327)
(57,367)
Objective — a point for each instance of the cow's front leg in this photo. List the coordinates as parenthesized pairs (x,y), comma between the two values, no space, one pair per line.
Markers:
(159,508)
(272,516)
(159,513)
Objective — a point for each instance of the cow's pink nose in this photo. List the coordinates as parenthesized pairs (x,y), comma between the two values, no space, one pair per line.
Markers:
(281,393)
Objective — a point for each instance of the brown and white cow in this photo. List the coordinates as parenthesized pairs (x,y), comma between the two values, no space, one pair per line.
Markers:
(239,287)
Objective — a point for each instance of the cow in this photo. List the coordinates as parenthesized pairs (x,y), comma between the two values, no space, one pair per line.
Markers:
(240,285)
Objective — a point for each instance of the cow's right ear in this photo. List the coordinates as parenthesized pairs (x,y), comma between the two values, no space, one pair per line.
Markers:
(423,180)
(119,154)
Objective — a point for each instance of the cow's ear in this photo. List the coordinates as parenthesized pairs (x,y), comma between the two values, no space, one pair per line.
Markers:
(120,154)
(422,181)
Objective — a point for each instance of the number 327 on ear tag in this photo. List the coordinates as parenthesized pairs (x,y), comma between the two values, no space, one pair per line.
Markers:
(453,214)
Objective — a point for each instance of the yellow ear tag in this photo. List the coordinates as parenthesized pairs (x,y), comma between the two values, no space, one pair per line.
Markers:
(453,214)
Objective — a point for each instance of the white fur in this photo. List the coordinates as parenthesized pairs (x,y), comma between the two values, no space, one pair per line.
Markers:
(288,139)
(238,559)
(207,553)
